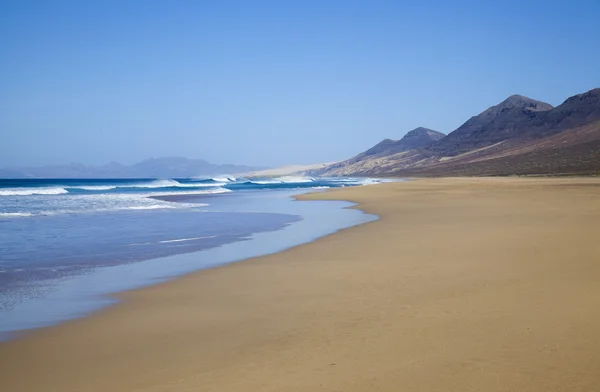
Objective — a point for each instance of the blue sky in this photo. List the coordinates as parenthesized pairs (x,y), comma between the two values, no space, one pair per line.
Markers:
(272,82)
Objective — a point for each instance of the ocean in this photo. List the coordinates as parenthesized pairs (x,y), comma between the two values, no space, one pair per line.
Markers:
(65,245)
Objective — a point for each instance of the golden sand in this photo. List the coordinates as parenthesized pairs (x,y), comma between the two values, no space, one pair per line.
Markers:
(462,285)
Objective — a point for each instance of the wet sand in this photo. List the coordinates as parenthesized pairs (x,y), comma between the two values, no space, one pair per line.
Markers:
(462,285)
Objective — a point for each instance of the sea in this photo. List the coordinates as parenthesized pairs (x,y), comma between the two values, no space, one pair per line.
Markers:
(66,245)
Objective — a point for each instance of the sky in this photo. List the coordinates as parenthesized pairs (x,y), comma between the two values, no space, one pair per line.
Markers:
(272,83)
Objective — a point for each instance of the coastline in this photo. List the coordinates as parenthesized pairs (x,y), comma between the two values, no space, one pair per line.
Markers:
(462,284)
(82,295)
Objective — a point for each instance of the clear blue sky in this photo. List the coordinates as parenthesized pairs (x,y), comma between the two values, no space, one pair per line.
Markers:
(272,82)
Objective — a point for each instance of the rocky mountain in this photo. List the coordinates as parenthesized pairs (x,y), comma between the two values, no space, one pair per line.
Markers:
(518,136)
(417,138)
(500,122)
(169,167)
(384,154)
(578,110)
(574,151)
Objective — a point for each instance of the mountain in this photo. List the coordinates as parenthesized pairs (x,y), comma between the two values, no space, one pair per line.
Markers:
(177,167)
(563,140)
(520,136)
(417,138)
(498,123)
(578,110)
(169,167)
(386,154)
(574,151)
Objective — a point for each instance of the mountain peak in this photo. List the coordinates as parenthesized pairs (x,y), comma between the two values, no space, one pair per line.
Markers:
(523,102)
(415,139)
(518,97)
(495,124)
(519,135)
(422,132)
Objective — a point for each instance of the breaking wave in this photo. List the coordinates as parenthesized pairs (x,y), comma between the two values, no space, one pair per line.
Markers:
(35,197)
(14,214)
(32,191)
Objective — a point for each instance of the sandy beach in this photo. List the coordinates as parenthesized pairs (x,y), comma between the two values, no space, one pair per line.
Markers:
(462,285)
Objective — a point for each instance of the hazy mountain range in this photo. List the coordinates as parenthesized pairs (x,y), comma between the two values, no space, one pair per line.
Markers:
(170,167)
(519,136)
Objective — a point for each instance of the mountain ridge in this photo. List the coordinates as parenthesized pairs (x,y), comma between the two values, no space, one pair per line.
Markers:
(497,123)
(417,138)
(165,167)
(533,134)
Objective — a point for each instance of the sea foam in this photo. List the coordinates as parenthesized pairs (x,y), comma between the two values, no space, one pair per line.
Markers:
(14,214)
(32,191)
(284,180)
(94,187)
(168,184)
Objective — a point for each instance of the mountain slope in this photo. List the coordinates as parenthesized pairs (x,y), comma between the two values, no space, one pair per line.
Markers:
(518,136)
(500,122)
(574,151)
(562,140)
(417,138)
(385,154)
(576,111)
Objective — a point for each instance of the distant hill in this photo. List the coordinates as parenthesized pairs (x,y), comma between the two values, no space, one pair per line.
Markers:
(169,167)
(520,136)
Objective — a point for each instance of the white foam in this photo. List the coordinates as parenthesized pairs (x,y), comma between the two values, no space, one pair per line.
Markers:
(150,207)
(14,214)
(32,191)
(369,181)
(121,208)
(207,185)
(104,202)
(267,182)
(156,184)
(94,187)
(284,180)
(150,185)
(224,179)
(187,239)
(354,181)
(292,179)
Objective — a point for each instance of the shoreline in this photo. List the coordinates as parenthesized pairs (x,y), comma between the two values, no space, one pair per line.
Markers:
(57,307)
(462,284)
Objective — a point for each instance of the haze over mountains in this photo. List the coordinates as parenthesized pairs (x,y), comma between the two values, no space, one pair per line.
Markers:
(519,136)
(170,167)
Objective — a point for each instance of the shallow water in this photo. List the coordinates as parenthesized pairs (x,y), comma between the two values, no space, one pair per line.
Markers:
(222,229)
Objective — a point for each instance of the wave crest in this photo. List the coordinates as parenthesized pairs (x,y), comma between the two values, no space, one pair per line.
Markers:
(223,179)
(167,184)
(14,214)
(95,187)
(32,191)
(284,180)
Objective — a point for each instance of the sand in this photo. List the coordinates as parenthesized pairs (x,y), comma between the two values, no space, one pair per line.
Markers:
(462,285)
